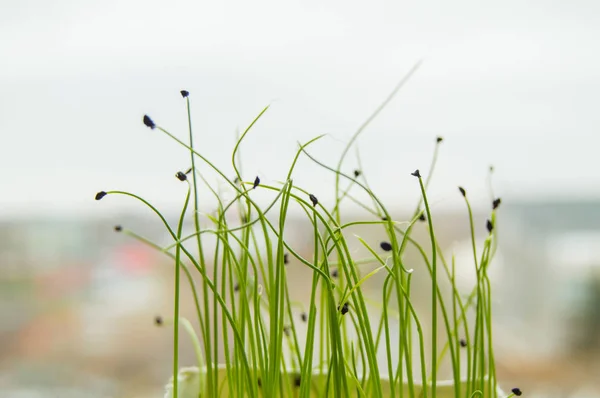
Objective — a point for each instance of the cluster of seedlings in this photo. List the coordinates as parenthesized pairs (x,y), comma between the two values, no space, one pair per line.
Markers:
(242,301)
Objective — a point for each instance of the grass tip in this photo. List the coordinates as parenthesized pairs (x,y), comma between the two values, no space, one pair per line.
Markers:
(148,122)
(188,171)
(386,246)
(236,287)
(357,173)
(181,176)
(439,139)
(334,273)
(158,320)
(286,258)
(517,391)
(422,217)
(256,182)
(185,93)
(462,191)
(286,330)
(496,203)
(343,309)
(463,343)
(489,226)
(313,199)
(297,380)
(100,195)
(303,316)
(118,228)
(416,173)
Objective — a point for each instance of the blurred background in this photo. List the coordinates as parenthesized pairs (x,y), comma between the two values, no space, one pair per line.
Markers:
(513,84)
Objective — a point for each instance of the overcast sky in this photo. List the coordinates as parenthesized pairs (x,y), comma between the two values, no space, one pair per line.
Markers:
(514,83)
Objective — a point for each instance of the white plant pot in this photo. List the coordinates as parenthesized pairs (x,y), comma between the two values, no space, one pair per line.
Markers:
(189,385)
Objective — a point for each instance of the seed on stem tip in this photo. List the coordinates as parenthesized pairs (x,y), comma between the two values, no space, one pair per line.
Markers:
(303,317)
(386,246)
(357,173)
(496,203)
(184,93)
(313,199)
(489,226)
(297,380)
(439,139)
(236,287)
(344,309)
(181,176)
(100,195)
(384,218)
(422,217)
(462,191)
(286,330)
(416,173)
(286,258)
(148,122)
(463,343)
(256,182)
(158,321)
(118,228)
(517,391)
(188,171)
(491,168)
(334,273)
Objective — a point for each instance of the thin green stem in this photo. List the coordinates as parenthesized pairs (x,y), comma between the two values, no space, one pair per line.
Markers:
(434,292)
(176,304)
(366,123)
(206,332)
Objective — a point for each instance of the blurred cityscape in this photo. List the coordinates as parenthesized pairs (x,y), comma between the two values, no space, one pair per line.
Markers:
(78,301)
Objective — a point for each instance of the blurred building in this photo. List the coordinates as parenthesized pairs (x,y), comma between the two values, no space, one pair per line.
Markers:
(70,298)
(549,296)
